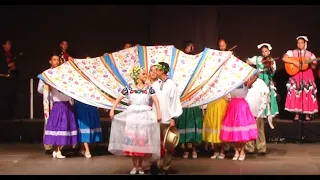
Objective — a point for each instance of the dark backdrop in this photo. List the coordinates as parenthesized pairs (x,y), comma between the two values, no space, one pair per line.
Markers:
(93,30)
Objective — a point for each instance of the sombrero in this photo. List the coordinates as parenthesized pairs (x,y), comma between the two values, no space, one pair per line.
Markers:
(171,138)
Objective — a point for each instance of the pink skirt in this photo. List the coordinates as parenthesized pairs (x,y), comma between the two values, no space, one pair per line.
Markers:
(238,124)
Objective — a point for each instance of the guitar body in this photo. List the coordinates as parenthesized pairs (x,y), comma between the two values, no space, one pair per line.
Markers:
(292,69)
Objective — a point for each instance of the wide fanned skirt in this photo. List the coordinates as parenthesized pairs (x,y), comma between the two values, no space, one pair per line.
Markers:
(238,125)
(135,132)
(62,127)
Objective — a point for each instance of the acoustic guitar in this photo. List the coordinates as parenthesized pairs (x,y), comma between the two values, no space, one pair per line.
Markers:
(292,69)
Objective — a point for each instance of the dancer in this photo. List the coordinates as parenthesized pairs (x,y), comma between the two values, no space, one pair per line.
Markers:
(239,125)
(212,120)
(135,132)
(62,127)
(89,124)
(267,67)
(302,90)
(44,89)
(190,122)
(170,107)
(258,98)
(212,123)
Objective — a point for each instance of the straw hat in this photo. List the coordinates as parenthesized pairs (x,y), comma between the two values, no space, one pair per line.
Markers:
(171,138)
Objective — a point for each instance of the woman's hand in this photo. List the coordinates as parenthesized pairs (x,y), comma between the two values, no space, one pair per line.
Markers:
(70,58)
(172,123)
(111,114)
(159,118)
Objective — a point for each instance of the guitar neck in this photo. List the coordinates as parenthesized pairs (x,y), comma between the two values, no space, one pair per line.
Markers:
(312,60)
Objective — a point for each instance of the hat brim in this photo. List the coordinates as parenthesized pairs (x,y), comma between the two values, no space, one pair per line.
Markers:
(175,131)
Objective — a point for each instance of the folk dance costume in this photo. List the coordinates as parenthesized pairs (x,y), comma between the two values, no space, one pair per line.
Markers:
(47,105)
(258,100)
(212,122)
(88,119)
(238,125)
(135,131)
(190,122)
(62,127)
(266,74)
(170,107)
(302,90)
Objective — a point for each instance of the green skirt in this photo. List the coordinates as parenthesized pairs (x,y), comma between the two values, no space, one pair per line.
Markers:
(190,125)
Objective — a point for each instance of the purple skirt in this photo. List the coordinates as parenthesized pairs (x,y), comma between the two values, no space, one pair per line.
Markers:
(62,126)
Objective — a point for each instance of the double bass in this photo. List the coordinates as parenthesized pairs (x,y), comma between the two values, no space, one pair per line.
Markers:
(292,69)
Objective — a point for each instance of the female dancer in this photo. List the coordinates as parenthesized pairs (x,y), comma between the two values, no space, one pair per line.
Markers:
(190,122)
(135,132)
(212,123)
(302,90)
(61,129)
(89,125)
(213,117)
(239,125)
(267,68)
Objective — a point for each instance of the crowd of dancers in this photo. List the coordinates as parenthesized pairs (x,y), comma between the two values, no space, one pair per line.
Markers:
(154,107)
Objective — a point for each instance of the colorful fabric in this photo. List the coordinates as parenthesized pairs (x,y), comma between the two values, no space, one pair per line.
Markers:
(238,125)
(62,128)
(212,121)
(190,125)
(88,119)
(201,78)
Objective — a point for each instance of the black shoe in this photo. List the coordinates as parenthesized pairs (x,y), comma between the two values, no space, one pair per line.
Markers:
(163,172)
(261,153)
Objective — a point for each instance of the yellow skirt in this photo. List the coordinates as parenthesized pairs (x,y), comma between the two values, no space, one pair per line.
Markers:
(212,120)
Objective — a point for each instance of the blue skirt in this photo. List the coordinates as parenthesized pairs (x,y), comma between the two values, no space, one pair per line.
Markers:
(88,122)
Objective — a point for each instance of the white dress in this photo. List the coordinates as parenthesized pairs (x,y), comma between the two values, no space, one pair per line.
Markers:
(135,131)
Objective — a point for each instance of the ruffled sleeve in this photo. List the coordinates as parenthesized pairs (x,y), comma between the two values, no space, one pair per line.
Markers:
(125,91)
(152,92)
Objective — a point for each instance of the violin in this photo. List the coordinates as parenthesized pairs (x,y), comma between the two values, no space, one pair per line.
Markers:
(269,62)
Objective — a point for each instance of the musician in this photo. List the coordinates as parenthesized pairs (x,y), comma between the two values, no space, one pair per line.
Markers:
(127,45)
(301,96)
(9,75)
(267,67)
(64,54)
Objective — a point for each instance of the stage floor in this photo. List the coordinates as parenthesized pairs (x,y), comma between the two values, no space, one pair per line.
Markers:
(282,159)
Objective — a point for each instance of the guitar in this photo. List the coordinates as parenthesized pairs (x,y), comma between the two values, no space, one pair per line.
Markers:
(292,69)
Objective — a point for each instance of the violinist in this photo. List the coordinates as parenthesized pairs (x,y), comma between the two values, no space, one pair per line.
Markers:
(302,90)
(267,66)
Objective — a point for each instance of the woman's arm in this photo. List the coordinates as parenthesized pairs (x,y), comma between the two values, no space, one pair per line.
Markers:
(115,104)
(157,105)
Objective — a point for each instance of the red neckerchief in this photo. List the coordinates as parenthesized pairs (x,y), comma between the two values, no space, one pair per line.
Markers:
(162,82)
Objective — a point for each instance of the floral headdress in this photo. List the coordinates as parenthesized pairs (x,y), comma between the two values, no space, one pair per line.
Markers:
(162,67)
(135,73)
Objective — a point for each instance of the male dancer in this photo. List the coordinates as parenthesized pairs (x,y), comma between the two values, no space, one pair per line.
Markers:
(170,107)
(258,98)
(47,98)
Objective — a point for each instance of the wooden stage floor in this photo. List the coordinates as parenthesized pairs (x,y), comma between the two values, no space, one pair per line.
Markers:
(282,159)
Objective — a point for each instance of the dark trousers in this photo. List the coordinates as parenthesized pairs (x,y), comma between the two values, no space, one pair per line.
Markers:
(8,97)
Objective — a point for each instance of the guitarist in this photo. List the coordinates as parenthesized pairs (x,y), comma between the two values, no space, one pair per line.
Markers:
(301,95)
(267,67)
(8,81)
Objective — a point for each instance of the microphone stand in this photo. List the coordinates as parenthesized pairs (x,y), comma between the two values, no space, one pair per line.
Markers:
(301,124)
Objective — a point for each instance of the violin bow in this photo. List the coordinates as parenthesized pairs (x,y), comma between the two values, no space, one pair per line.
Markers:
(232,48)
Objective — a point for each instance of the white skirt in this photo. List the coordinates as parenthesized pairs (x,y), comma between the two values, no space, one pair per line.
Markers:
(135,132)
